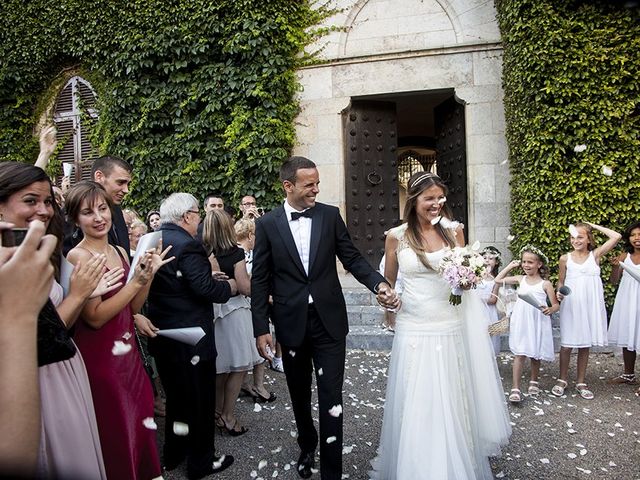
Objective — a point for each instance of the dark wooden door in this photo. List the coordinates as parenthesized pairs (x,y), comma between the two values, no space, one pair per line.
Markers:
(451,160)
(371,175)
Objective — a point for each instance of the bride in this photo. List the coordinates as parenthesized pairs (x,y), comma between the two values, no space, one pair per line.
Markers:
(444,412)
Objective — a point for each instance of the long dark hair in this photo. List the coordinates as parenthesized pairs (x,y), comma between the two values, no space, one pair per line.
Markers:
(418,183)
(626,236)
(14,176)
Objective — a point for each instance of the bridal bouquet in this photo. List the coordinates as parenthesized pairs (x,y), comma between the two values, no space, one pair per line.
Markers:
(462,268)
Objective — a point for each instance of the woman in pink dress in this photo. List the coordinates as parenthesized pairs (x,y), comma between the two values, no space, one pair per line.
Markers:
(122,392)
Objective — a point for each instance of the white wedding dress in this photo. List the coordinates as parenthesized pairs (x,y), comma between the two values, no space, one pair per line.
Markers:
(445,411)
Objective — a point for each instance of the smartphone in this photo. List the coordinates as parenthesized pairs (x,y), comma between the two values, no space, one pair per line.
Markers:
(12,237)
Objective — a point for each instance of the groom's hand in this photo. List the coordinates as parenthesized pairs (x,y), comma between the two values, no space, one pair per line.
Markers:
(387,297)
(264,344)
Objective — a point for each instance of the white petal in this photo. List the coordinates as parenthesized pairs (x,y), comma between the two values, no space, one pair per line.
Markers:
(320,371)
(436,220)
(120,348)
(579,148)
(257,407)
(262,464)
(293,433)
(276,450)
(347,449)
(178,274)
(195,359)
(335,411)
(607,170)
(253,474)
(500,474)
(150,423)
(217,463)
(287,467)
(573,231)
(274,474)
(611,464)
(544,460)
(331,439)
(510,238)
(571,455)
(583,452)
(442,201)
(126,335)
(476,246)
(292,353)
(180,429)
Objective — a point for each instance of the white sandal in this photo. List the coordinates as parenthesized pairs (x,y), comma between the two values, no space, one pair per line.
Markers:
(584,391)
(515,396)
(558,389)
(533,388)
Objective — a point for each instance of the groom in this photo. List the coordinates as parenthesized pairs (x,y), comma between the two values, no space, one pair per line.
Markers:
(295,263)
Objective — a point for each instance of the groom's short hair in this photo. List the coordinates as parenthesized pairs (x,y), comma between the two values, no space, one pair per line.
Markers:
(291,166)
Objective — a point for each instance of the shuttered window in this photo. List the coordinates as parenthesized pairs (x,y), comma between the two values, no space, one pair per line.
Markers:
(74,116)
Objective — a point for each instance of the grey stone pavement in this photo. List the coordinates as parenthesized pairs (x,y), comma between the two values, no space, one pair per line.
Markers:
(568,437)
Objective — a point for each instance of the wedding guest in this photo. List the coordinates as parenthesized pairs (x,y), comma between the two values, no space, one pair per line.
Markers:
(437,424)
(181,296)
(153,220)
(122,392)
(26,276)
(136,230)
(583,314)
(69,449)
(236,348)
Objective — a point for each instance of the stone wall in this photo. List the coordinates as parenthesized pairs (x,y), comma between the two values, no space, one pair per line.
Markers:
(399,46)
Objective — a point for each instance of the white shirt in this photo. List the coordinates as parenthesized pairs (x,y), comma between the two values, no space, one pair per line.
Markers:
(301,232)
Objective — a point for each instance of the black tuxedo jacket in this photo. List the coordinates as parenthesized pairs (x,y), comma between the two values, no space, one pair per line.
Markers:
(278,271)
(182,295)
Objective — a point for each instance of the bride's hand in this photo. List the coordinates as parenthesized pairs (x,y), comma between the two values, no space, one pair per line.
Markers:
(387,297)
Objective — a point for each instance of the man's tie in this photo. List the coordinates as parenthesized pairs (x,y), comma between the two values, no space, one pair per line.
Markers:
(307,213)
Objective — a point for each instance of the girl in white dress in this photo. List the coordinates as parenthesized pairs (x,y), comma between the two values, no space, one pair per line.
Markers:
(583,315)
(624,328)
(530,333)
(444,411)
(488,290)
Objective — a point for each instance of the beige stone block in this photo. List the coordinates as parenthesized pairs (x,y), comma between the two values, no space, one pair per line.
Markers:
(487,67)
(331,184)
(479,118)
(483,183)
(316,83)
(486,149)
(479,93)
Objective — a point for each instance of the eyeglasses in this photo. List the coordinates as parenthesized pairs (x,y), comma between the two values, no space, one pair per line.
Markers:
(248,204)
(197,212)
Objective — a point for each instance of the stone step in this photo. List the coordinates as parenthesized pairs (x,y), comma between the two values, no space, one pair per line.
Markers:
(364,315)
(369,338)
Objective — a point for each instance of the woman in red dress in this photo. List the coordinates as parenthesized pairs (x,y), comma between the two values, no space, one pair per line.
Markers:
(122,392)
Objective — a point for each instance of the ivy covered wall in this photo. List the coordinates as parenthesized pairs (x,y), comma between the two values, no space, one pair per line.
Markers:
(197,95)
(571,79)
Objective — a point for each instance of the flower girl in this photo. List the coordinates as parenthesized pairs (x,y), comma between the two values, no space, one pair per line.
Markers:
(530,326)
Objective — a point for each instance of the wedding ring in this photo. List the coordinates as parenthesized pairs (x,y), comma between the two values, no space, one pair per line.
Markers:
(108,284)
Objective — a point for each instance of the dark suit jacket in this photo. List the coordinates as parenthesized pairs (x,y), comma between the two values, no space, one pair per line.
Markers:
(182,295)
(278,271)
(118,235)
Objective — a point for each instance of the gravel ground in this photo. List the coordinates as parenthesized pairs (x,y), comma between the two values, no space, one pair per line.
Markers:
(552,437)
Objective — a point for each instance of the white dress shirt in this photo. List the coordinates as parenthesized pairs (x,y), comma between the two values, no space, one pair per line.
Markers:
(301,232)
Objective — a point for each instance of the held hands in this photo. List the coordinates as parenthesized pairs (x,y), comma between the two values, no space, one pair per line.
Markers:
(387,297)
(144,326)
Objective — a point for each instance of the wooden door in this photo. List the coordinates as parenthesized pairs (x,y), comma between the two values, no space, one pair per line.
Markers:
(451,160)
(371,175)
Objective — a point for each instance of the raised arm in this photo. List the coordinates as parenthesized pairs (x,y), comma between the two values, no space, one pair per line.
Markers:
(512,280)
(612,240)
(616,271)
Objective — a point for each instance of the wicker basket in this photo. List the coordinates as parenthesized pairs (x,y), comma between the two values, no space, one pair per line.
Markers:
(500,327)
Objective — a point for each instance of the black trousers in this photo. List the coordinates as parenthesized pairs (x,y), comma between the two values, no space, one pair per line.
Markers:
(327,355)
(190,391)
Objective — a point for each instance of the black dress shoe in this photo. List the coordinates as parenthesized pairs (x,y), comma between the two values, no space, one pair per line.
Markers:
(219,464)
(306,462)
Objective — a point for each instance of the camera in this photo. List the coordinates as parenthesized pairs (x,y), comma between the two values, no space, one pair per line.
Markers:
(12,237)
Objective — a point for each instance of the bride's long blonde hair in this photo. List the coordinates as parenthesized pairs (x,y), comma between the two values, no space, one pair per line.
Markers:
(418,183)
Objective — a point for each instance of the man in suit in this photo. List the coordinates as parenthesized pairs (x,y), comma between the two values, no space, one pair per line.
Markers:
(182,295)
(295,263)
(114,174)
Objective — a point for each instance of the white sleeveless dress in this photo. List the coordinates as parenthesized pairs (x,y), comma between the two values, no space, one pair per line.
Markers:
(624,328)
(485,291)
(530,332)
(445,410)
(583,315)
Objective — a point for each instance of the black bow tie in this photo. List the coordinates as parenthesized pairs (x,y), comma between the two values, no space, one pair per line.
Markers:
(307,213)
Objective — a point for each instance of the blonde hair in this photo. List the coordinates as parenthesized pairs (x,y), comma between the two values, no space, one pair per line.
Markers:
(218,234)
(591,240)
(244,227)
(418,183)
